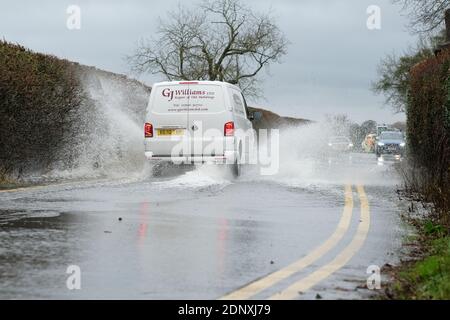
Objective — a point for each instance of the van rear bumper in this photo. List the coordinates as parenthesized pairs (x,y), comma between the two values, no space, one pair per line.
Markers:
(228,157)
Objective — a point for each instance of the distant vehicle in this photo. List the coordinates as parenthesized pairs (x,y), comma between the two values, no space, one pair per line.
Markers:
(340,144)
(369,142)
(390,143)
(198,121)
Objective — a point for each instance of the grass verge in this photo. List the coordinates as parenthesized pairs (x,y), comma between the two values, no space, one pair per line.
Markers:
(427,277)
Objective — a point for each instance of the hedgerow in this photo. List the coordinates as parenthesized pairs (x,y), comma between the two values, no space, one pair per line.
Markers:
(38,95)
(428,130)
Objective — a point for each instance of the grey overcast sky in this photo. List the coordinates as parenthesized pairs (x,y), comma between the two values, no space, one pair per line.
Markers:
(330,63)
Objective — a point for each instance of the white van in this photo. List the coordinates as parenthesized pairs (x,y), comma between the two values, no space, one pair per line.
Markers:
(198,122)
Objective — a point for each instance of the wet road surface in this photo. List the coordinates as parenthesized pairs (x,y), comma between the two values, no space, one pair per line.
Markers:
(202,235)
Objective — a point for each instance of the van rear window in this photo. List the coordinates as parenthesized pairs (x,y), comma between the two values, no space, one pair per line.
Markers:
(188,98)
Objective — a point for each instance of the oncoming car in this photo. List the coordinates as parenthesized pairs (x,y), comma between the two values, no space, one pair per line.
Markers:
(340,144)
(390,143)
(198,122)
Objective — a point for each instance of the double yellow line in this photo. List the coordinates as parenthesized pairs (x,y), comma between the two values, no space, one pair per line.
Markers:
(312,279)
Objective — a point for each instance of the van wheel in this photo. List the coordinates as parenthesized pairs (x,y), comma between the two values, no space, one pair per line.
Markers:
(157,170)
(236,169)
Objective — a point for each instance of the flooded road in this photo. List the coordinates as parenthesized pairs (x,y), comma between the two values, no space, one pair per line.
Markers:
(202,235)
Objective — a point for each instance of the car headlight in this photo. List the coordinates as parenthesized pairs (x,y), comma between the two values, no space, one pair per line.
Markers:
(380,144)
(330,144)
(402,144)
(350,145)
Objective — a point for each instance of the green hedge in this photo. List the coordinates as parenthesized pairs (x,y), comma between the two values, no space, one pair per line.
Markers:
(428,128)
(38,94)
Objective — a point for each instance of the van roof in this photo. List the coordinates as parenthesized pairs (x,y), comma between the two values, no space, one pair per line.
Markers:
(221,83)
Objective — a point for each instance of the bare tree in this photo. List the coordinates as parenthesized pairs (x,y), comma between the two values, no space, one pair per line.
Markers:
(217,40)
(394,78)
(394,72)
(339,124)
(426,15)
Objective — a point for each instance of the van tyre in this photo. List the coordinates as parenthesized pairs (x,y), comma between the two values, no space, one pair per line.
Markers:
(157,170)
(236,169)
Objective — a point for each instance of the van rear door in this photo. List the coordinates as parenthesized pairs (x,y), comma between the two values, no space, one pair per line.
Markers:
(207,116)
(169,117)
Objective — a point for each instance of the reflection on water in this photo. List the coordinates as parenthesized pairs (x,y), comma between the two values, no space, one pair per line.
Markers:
(143,225)
(222,238)
(191,236)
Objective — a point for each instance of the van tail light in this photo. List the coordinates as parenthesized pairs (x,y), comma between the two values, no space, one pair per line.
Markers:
(148,130)
(229,129)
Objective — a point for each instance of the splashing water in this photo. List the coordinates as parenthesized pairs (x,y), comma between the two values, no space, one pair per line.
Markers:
(109,140)
(306,161)
(109,144)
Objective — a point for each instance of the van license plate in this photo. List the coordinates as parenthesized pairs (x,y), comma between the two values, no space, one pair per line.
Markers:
(170,132)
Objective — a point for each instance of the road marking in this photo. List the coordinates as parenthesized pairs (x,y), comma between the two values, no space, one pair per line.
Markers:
(259,285)
(341,259)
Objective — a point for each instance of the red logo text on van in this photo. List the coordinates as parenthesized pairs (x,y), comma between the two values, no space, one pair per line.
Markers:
(170,94)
